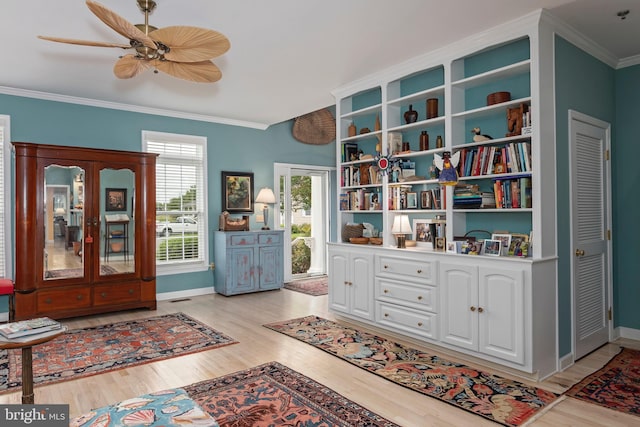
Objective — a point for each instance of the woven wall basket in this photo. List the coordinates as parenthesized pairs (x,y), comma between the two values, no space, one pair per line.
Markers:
(316,128)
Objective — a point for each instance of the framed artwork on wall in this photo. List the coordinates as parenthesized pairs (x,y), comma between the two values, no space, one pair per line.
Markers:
(237,192)
(115,199)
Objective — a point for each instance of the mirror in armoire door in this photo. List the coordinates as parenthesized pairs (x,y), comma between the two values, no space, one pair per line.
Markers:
(63,222)
(117,221)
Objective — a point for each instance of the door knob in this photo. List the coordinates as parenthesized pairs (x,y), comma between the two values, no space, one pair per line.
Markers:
(579,252)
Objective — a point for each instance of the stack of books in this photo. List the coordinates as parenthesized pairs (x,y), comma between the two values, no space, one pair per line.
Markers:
(28,327)
(467,196)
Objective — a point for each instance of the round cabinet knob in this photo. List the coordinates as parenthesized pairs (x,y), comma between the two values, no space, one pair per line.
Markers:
(420,324)
(346,283)
(48,301)
(386,291)
(103,294)
(420,298)
(79,297)
(386,315)
(472,308)
(480,309)
(419,271)
(386,266)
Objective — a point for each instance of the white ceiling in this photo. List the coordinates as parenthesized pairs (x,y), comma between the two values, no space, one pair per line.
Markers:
(286,56)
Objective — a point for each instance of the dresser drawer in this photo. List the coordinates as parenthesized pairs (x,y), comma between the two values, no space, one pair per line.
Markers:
(63,299)
(243,240)
(116,294)
(418,296)
(405,319)
(390,266)
(270,238)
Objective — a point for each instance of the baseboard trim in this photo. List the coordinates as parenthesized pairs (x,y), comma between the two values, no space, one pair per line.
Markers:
(633,334)
(165,296)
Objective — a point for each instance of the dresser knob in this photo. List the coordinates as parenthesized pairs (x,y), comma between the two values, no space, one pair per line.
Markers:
(420,298)
(79,297)
(48,301)
(472,308)
(346,283)
(386,291)
(130,291)
(480,309)
(420,324)
(386,266)
(419,271)
(103,294)
(386,315)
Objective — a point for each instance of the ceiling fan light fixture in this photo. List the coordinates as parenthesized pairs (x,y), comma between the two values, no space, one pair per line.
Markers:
(181,51)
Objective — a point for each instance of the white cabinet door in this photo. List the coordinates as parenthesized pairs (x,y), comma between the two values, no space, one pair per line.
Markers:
(459,305)
(501,313)
(339,280)
(362,285)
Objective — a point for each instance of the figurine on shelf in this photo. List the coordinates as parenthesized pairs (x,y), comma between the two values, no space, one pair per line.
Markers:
(447,165)
(478,137)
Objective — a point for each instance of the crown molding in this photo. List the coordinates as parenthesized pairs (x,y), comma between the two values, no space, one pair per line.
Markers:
(128,107)
(629,62)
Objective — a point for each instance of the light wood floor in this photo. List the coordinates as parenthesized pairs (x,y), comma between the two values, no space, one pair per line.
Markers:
(241,317)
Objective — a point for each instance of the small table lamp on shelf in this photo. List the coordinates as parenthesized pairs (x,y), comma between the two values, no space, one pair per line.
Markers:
(400,229)
(266,197)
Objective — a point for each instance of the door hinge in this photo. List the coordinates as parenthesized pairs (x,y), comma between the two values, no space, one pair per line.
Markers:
(610,314)
(608,234)
(606,154)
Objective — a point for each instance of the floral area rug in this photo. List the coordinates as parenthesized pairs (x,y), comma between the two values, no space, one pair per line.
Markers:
(275,395)
(505,401)
(89,351)
(615,386)
(315,286)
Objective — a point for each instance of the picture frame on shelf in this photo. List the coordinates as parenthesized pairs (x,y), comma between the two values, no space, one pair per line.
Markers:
(423,233)
(505,239)
(475,248)
(425,200)
(452,247)
(519,245)
(412,200)
(394,140)
(440,244)
(350,152)
(115,199)
(237,192)
(492,247)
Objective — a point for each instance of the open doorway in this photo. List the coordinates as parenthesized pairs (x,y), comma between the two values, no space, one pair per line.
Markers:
(302,211)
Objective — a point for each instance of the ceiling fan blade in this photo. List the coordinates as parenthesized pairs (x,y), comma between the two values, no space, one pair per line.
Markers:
(84,42)
(201,72)
(129,66)
(120,25)
(191,44)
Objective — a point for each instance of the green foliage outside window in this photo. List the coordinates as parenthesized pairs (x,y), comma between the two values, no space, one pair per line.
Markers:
(178,248)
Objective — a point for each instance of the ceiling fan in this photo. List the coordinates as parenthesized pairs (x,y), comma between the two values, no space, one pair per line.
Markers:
(181,51)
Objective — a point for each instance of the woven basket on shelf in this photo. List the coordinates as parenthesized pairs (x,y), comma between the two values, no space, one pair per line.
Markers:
(316,128)
(351,230)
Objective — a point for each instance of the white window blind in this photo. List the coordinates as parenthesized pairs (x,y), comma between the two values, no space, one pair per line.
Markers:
(181,242)
(5,213)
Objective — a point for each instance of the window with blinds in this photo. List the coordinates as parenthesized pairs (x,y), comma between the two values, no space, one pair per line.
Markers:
(5,211)
(181,219)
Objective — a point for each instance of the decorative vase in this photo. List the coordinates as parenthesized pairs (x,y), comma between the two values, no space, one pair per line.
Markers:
(424,141)
(352,129)
(410,116)
(432,108)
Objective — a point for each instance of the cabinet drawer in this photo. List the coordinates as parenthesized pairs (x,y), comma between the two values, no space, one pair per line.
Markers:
(420,297)
(242,240)
(417,269)
(113,294)
(270,238)
(63,299)
(407,320)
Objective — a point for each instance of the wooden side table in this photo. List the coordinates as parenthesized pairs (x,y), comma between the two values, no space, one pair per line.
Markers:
(26,344)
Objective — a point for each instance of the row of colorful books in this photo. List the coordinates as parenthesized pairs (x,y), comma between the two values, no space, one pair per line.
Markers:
(487,160)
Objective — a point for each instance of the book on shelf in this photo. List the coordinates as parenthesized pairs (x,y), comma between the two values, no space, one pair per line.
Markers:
(29,327)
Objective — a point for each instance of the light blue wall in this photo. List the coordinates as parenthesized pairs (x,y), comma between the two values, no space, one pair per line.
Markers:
(229,148)
(626,181)
(587,85)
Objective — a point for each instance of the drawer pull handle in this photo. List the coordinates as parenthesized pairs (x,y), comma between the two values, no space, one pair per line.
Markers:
(472,308)
(480,309)
(48,301)
(386,266)
(420,298)
(420,324)
(103,294)
(130,291)
(386,291)
(386,315)
(419,271)
(79,297)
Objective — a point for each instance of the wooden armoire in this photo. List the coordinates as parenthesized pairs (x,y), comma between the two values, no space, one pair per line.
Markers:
(93,270)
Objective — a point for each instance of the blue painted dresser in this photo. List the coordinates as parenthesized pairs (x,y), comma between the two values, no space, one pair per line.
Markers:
(248,261)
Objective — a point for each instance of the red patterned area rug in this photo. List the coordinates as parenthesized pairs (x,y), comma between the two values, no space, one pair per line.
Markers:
(90,351)
(501,400)
(315,286)
(274,395)
(615,386)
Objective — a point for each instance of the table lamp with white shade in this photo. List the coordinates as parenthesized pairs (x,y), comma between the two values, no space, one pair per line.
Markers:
(266,197)
(400,229)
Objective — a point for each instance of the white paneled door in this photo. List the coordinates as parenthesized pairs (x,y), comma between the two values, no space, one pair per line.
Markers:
(589,145)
